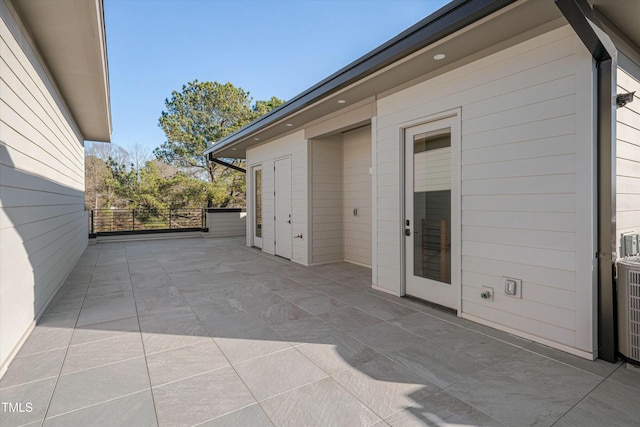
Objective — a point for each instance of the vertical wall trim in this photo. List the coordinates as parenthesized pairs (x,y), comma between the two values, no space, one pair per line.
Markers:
(583,21)
(374,201)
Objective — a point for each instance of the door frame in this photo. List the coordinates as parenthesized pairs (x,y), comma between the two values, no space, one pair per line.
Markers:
(252,206)
(454,119)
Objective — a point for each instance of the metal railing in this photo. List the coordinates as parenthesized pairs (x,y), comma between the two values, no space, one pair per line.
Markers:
(111,221)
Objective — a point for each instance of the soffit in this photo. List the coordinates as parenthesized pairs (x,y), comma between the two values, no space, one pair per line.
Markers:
(623,14)
(69,36)
(505,28)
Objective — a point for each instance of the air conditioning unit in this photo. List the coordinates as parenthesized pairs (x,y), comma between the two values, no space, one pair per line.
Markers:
(628,290)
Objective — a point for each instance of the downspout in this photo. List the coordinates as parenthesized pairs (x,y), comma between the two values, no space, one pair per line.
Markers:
(583,20)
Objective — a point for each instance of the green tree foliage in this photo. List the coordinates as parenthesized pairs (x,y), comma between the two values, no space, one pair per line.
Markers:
(200,114)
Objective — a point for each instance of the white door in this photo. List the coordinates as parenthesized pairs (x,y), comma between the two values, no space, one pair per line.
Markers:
(256,212)
(432,213)
(282,196)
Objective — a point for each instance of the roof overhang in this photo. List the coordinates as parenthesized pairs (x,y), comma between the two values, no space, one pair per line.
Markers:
(465,30)
(69,35)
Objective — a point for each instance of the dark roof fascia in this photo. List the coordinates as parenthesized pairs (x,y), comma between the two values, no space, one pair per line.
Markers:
(447,20)
(584,22)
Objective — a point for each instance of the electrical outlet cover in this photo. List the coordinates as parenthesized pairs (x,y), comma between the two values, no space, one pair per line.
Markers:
(513,287)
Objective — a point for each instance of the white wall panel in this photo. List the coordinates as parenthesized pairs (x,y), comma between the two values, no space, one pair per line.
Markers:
(526,184)
(294,145)
(357,195)
(43,224)
(628,152)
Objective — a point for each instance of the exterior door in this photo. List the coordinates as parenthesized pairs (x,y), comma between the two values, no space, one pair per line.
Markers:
(256,217)
(430,216)
(282,169)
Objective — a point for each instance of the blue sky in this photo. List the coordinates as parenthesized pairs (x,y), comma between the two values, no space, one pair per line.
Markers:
(269,48)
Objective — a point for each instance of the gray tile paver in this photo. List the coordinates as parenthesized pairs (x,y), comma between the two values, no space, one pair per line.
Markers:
(210,332)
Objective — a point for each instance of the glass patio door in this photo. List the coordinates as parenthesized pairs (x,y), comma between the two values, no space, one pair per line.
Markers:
(257,206)
(428,213)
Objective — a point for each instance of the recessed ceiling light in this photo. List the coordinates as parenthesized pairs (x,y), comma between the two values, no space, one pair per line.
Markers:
(289,125)
(341,101)
(233,149)
(439,56)
(256,139)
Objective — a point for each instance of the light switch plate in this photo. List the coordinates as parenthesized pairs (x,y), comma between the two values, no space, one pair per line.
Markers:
(513,287)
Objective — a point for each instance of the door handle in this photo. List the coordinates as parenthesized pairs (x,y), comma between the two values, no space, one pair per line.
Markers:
(407,232)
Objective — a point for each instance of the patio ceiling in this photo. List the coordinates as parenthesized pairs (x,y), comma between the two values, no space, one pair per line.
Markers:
(70,37)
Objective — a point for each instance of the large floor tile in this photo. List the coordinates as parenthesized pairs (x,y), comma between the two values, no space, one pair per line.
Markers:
(349,319)
(609,404)
(103,309)
(159,299)
(132,410)
(45,337)
(436,364)
(33,367)
(596,367)
(305,330)
(628,375)
(277,373)
(525,389)
(320,304)
(183,362)
(322,403)
(386,338)
(34,395)
(377,307)
(92,386)
(171,329)
(440,409)
(201,398)
(281,312)
(252,343)
(337,352)
(99,353)
(384,386)
(105,330)
(250,416)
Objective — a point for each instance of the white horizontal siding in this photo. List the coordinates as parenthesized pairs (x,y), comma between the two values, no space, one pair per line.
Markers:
(525,182)
(357,195)
(227,223)
(293,145)
(628,153)
(43,224)
(326,205)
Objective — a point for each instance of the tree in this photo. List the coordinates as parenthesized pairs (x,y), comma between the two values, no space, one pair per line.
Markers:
(200,114)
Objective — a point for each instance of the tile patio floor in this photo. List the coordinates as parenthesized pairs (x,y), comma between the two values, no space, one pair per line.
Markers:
(209,332)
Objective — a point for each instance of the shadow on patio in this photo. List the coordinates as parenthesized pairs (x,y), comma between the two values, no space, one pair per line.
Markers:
(209,332)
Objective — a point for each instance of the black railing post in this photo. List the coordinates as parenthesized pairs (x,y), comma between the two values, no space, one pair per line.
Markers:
(169,218)
(133,219)
(91,223)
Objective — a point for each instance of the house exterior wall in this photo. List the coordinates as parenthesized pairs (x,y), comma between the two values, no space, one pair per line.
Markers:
(356,159)
(628,151)
(526,186)
(293,145)
(327,227)
(43,224)
(226,222)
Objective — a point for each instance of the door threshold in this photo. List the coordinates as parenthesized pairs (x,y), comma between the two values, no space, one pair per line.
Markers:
(431,304)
